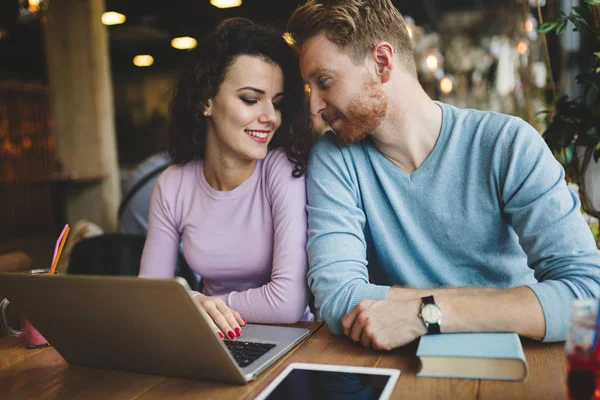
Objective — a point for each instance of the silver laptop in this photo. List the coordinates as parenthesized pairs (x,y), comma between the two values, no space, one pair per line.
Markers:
(142,325)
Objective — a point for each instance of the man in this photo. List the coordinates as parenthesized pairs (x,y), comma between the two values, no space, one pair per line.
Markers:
(424,217)
(137,191)
(137,187)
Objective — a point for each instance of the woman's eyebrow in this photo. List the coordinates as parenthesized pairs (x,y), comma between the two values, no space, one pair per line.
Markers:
(259,91)
(252,89)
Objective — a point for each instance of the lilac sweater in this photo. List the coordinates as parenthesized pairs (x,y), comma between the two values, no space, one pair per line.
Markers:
(248,244)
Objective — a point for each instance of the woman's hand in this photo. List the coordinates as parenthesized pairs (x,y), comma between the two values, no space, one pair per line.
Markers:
(225,321)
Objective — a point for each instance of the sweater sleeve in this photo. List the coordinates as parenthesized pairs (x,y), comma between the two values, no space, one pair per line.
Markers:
(161,249)
(338,275)
(546,216)
(284,298)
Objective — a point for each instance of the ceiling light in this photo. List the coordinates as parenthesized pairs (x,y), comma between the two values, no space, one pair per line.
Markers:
(446,85)
(432,62)
(522,47)
(184,43)
(530,26)
(34,5)
(226,3)
(143,60)
(113,18)
(29,9)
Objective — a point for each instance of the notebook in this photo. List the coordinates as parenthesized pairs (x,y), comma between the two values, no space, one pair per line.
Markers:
(151,326)
(497,356)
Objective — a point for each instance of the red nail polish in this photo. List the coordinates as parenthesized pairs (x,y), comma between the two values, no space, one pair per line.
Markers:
(231,334)
(238,332)
(245,323)
(221,335)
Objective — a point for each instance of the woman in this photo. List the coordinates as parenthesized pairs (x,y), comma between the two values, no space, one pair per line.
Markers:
(236,196)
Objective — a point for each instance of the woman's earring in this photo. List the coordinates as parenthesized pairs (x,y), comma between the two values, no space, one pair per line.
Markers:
(206,109)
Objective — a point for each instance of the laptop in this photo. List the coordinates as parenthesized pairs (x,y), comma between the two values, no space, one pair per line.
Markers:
(141,325)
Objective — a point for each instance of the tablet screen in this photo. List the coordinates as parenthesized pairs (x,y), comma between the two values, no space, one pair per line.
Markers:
(312,384)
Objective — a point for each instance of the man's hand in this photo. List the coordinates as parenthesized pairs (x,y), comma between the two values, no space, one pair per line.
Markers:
(391,323)
(384,324)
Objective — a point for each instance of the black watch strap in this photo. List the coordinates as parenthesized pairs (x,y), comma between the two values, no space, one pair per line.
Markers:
(432,329)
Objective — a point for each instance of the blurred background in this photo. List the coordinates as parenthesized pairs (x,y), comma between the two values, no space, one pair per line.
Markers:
(85,87)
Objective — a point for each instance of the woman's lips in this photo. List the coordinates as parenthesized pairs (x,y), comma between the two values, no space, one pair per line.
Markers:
(259,136)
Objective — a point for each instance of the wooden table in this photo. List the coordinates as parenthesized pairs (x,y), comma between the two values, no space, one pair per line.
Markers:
(43,374)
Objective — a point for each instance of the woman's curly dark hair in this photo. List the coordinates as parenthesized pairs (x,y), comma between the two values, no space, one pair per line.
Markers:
(206,69)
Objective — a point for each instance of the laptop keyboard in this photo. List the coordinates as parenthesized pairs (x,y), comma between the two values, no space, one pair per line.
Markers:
(245,353)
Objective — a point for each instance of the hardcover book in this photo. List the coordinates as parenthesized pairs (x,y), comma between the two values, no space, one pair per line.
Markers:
(496,356)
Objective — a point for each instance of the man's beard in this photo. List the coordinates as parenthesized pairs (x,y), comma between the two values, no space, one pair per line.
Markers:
(364,114)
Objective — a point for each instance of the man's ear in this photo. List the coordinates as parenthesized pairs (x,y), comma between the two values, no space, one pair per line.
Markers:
(383,55)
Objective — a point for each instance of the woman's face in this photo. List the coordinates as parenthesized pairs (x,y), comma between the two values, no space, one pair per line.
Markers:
(245,113)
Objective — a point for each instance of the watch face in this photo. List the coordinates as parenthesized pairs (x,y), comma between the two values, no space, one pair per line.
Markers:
(431,313)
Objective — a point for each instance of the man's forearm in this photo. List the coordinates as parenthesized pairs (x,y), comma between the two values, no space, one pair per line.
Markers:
(484,309)
(399,293)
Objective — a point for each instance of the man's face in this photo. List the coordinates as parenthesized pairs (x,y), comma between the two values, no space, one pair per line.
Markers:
(344,94)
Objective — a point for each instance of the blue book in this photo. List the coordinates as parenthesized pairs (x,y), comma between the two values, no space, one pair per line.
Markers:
(496,356)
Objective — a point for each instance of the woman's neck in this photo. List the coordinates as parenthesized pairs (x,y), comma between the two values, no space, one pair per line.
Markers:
(224,175)
(225,172)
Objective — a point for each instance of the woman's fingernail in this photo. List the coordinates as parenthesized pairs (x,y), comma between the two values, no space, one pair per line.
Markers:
(238,331)
(231,334)
(221,335)
(245,323)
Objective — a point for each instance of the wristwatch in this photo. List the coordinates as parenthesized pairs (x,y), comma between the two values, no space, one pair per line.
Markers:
(431,314)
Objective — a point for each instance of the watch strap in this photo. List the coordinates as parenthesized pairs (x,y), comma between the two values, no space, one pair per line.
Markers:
(432,328)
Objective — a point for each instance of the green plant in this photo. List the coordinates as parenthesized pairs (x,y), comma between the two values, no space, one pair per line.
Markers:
(575,123)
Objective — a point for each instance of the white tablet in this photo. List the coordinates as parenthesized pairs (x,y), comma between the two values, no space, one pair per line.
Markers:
(322,381)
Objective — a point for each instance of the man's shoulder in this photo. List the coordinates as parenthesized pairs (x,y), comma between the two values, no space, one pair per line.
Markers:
(488,127)
(143,169)
(328,158)
(475,117)
(150,164)
(326,144)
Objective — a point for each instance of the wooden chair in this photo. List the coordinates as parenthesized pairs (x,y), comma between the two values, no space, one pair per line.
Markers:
(15,261)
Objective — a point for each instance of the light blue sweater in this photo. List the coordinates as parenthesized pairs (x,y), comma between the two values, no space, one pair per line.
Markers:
(489,207)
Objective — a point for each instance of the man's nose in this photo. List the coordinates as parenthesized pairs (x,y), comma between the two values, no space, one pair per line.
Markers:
(317,104)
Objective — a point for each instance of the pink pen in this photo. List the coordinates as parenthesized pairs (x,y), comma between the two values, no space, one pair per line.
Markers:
(58,243)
